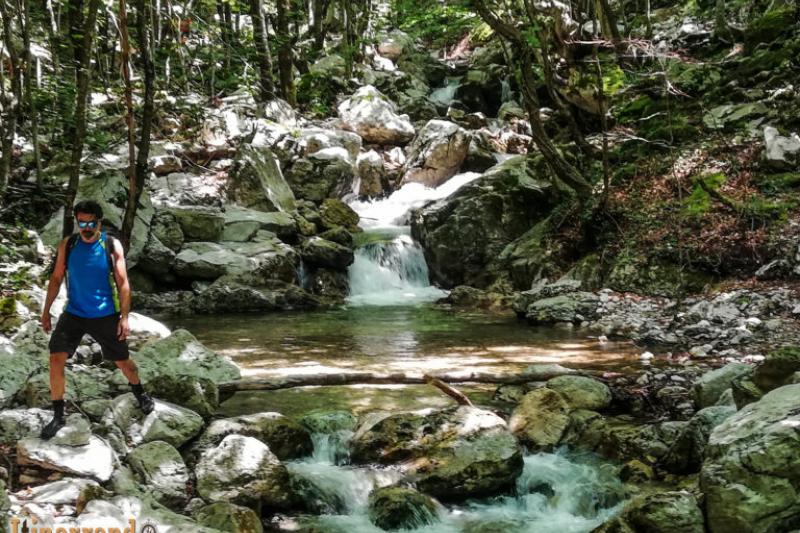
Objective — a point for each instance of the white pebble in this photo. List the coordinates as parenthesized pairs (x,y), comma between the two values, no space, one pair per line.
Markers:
(646,356)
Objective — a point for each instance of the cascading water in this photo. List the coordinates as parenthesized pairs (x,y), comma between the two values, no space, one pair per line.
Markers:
(390,269)
(555,492)
(445,95)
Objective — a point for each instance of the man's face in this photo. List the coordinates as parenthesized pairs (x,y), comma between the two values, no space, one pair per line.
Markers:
(88,226)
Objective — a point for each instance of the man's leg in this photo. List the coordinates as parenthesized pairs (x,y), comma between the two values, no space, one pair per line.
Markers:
(131,371)
(65,338)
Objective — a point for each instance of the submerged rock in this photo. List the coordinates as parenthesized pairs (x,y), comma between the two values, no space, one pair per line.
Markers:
(393,508)
(664,512)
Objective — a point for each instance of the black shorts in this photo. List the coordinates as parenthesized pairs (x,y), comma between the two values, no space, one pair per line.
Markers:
(71,329)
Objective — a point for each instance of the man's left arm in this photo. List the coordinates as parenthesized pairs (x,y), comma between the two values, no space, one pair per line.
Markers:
(123,288)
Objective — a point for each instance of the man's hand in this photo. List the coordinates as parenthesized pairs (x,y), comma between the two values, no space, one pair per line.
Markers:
(46,324)
(123,330)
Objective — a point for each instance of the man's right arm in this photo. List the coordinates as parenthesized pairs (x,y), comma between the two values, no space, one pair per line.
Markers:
(54,285)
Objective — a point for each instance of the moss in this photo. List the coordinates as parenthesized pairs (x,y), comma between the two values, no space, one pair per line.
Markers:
(699,202)
(771,25)
(777,183)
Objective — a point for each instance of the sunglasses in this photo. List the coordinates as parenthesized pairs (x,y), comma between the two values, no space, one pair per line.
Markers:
(91,224)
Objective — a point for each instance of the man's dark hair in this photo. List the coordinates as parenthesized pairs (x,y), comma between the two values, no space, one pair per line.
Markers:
(89,207)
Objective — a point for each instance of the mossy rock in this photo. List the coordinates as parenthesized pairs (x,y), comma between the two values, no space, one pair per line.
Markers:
(229,517)
(636,274)
(771,25)
(392,508)
(777,369)
(336,213)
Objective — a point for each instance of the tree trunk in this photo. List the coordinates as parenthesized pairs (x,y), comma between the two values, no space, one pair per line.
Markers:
(11,102)
(318,26)
(225,36)
(266,85)
(30,101)
(84,74)
(372,378)
(285,53)
(129,121)
(139,176)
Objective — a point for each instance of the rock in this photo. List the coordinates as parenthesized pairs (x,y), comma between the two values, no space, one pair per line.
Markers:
(247,292)
(266,259)
(228,517)
(581,392)
(335,213)
(481,90)
(242,470)
(394,44)
(639,274)
(286,438)
(573,307)
(686,454)
(393,508)
(454,453)
(727,116)
(781,153)
(181,354)
(750,474)
(323,174)
(318,139)
(157,259)
(480,154)
(370,114)
(95,459)
(372,175)
(82,383)
(256,181)
(166,228)
(64,492)
(280,111)
(165,164)
(15,368)
(167,422)
(338,235)
(319,252)
(16,424)
(183,189)
(199,223)
(745,391)
(242,224)
(635,471)
(664,512)
(329,284)
(160,468)
(711,385)
(540,419)
(436,154)
(330,65)
(325,421)
(195,393)
(777,369)
(460,234)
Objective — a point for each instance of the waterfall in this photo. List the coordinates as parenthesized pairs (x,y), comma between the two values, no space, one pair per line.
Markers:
(445,95)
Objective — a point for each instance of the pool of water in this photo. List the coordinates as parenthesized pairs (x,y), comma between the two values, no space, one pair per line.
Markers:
(410,339)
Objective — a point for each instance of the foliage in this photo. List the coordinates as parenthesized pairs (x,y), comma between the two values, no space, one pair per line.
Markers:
(434,22)
(699,202)
(317,92)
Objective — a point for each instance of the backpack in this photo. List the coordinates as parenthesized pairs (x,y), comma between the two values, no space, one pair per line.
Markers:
(105,239)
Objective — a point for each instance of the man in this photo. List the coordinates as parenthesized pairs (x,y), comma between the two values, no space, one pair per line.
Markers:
(98,301)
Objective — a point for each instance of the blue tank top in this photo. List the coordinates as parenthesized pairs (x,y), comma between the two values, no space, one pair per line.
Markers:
(89,291)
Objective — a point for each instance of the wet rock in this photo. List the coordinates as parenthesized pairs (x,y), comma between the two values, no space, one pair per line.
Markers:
(370,114)
(256,182)
(326,254)
(199,223)
(372,175)
(167,422)
(248,292)
(160,468)
(454,453)
(335,213)
(242,224)
(686,454)
(664,512)
(286,438)
(711,385)
(572,307)
(242,470)
(540,419)
(749,476)
(581,392)
(393,508)
(436,154)
(228,517)
(195,393)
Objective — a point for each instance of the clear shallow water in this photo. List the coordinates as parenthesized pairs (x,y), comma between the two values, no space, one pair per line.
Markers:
(410,339)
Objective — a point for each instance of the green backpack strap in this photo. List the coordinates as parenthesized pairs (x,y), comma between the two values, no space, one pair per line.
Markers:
(108,242)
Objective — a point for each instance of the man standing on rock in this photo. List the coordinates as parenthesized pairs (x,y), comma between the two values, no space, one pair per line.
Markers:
(98,301)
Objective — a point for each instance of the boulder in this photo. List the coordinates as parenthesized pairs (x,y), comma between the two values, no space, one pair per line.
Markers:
(95,459)
(242,470)
(247,292)
(540,419)
(181,354)
(373,116)
(393,44)
(16,424)
(711,385)
(455,453)
(581,392)
(663,512)
(198,394)
(83,382)
(286,438)
(157,258)
(750,475)
(166,228)
(314,140)
(159,467)
(778,368)
(326,254)
(167,422)
(335,213)
(461,236)
(781,153)
(199,223)
(572,307)
(326,173)
(256,181)
(278,110)
(183,189)
(242,224)
(436,154)
(393,508)
(686,454)
(267,258)
(15,369)
(165,164)
(229,517)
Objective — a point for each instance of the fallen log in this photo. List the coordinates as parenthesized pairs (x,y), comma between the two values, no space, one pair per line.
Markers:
(373,378)
(454,393)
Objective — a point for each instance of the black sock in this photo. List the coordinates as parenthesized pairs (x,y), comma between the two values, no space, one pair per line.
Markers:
(137,389)
(58,408)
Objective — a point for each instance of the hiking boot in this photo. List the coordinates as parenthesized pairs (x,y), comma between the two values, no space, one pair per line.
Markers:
(146,403)
(49,431)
